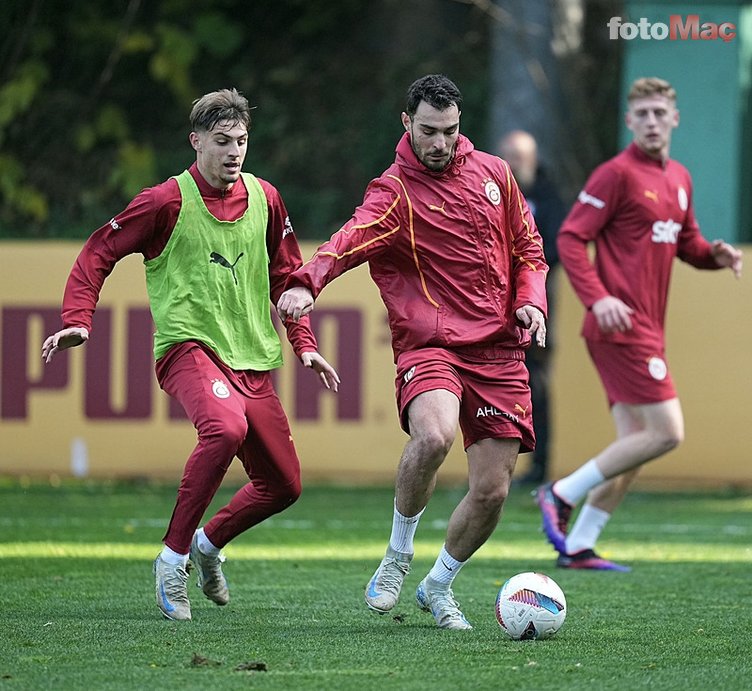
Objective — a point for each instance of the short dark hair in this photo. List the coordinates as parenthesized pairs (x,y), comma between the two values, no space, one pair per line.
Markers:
(436,90)
(225,105)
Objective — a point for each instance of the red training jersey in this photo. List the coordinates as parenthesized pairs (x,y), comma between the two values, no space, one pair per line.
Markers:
(145,227)
(454,253)
(638,212)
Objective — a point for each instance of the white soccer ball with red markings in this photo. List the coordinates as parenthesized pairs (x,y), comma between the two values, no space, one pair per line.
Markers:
(530,606)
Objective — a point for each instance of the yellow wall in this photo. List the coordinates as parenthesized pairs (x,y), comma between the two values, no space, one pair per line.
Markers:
(708,336)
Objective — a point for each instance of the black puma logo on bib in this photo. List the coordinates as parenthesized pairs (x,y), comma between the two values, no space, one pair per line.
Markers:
(216,258)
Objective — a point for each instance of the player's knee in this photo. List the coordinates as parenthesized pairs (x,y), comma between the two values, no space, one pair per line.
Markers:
(290,493)
(229,433)
(490,499)
(435,443)
(675,438)
(295,490)
(670,439)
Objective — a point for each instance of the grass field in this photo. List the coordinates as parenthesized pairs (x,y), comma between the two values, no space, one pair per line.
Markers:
(77,607)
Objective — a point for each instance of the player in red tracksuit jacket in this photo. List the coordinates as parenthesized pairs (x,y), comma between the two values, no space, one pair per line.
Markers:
(198,297)
(637,210)
(459,263)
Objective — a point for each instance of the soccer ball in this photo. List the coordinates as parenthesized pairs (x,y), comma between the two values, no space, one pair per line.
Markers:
(530,606)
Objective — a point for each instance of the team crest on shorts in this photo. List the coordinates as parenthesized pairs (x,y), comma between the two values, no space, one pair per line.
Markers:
(657,368)
(219,389)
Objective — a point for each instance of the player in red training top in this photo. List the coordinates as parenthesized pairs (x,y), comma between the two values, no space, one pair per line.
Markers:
(217,247)
(637,210)
(455,253)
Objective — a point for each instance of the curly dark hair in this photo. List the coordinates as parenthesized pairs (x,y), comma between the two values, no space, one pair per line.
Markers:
(436,90)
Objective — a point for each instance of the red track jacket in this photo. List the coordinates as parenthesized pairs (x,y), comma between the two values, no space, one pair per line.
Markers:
(454,253)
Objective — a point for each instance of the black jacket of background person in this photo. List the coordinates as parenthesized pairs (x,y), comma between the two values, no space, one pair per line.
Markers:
(548,211)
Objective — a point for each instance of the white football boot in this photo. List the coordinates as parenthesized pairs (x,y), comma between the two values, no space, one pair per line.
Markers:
(439,600)
(211,580)
(172,590)
(383,590)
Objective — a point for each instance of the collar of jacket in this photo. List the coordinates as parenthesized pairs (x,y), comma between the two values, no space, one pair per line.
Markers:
(637,153)
(406,157)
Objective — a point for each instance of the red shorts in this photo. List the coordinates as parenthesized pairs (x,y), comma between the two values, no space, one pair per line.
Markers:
(490,383)
(634,374)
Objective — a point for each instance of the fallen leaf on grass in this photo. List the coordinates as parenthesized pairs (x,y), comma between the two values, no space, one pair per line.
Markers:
(201,661)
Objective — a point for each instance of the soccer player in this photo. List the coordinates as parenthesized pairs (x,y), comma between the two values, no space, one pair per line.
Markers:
(637,210)
(218,246)
(457,258)
(520,150)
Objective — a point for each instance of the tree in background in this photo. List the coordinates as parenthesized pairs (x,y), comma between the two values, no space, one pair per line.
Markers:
(93,96)
(555,73)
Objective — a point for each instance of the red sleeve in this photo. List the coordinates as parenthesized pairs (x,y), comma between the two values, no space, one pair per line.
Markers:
(692,247)
(528,262)
(284,258)
(595,207)
(370,231)
(144,226)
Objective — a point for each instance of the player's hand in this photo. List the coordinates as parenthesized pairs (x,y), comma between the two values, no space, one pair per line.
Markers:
(612,314)
(534,322)
(726,255)
(327,373)
(62,340)
(294,304)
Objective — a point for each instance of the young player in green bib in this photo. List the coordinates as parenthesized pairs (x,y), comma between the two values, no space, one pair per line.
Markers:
(218,247)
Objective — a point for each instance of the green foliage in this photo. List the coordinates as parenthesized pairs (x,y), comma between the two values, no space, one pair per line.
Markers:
(19,195)
(95,97)
(135,164)
(212,25)
(109,123)
(171,62)
(78,603)
(17,96)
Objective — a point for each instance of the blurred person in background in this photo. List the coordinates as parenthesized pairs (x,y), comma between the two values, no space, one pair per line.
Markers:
(218,247)
(459,264)
(520,150)
(637,210)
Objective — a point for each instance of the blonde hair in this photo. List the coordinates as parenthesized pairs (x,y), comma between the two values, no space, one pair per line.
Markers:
(651,86)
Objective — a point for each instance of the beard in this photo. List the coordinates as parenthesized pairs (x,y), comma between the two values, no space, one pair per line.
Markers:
(434,164)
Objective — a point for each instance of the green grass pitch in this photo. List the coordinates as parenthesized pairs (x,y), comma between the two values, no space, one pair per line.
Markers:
(77,607)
